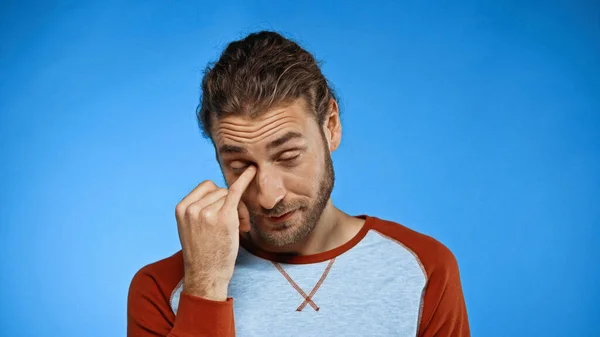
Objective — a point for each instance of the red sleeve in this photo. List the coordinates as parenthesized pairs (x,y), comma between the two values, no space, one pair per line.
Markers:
(198,317)
(444,311)
(149,313)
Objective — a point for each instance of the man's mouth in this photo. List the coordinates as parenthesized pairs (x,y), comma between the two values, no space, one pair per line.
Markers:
(281,217)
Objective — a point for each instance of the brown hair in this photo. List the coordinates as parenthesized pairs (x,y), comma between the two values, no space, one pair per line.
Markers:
(262,71)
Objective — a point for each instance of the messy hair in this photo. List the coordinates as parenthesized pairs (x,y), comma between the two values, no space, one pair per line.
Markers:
(262,71)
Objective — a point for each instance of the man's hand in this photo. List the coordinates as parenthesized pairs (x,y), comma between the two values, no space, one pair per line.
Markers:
(209,220)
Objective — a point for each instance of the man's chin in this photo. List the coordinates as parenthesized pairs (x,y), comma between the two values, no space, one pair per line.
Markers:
(278,235)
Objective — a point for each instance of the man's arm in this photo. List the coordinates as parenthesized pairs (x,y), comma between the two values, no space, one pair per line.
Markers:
(209,220)
(444,311)
(149,313)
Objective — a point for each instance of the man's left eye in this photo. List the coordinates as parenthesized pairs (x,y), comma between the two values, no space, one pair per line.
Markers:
(288,158)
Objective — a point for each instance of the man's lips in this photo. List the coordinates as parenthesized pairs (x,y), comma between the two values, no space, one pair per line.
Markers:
(282,217)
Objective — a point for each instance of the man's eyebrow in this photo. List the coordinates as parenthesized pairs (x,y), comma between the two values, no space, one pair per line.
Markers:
(284,139)
(231,149)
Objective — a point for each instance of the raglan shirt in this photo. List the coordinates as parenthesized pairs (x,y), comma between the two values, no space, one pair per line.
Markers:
(388,280)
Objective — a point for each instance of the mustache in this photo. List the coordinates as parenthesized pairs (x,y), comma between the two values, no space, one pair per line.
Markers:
(282,208)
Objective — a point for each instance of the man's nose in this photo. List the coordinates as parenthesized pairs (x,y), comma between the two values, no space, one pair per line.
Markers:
(270,188)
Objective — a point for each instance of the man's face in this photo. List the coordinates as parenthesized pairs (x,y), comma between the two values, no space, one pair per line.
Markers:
(294,176)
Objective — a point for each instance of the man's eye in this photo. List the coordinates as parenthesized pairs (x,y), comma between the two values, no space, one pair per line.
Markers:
(289,157)
(238,166)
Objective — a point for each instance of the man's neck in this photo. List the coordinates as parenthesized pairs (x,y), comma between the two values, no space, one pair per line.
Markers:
(333,229)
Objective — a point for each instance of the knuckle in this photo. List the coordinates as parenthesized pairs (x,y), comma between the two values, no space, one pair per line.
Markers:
(207,214)
(207,184)
(192,210)
(179,210)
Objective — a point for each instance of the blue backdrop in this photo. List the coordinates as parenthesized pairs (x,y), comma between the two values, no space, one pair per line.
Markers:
(475,122)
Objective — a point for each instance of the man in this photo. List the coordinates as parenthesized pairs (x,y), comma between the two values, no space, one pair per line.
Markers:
(271,255)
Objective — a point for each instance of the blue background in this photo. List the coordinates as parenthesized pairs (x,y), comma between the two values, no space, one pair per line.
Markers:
(475,122)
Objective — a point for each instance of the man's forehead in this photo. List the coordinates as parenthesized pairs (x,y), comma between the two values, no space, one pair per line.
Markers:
(232,145)
(272,128)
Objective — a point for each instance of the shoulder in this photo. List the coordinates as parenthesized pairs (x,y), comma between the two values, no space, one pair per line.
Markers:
(160,277)
(443,309)
(433,256)
(149,298)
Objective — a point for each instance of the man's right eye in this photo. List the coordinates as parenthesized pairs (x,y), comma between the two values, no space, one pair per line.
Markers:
(238,166)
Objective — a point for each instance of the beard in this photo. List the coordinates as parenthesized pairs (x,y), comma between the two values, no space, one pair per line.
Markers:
(302,224)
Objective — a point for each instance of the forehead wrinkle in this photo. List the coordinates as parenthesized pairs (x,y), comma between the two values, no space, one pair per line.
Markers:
(273,114)
(248,136)
(250,140)
(254,133)
(250,127)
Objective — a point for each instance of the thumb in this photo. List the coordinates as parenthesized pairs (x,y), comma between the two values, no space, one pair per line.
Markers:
(244,217)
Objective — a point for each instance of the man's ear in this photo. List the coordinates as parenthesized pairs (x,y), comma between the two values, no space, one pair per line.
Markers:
(332,126)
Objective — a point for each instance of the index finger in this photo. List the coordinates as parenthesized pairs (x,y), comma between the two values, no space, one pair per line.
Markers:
(237,189)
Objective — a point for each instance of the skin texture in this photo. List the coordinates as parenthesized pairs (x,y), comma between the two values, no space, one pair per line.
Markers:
(294,172)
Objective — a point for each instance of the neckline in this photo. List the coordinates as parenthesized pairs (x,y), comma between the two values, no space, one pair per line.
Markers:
(313,258)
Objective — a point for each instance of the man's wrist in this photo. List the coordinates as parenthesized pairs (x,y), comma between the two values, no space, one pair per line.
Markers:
(210,289)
